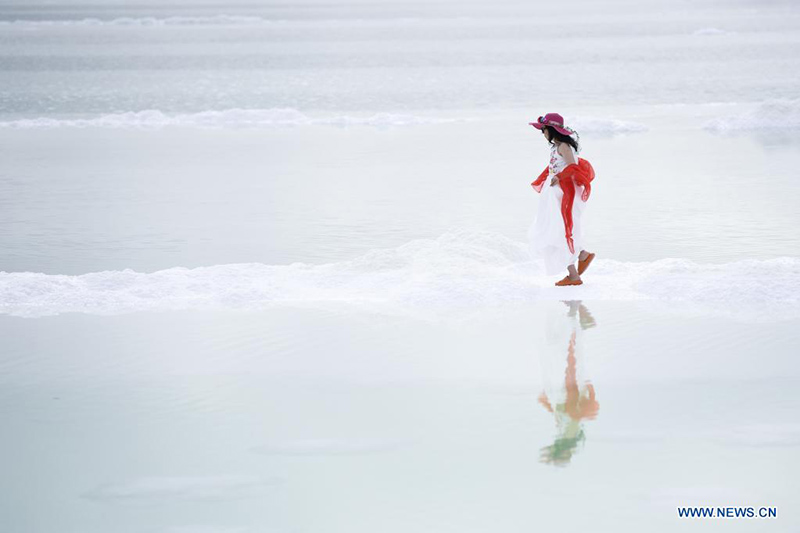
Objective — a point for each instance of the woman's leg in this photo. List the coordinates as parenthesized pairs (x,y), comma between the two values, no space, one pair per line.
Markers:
(573,272)
(583,255)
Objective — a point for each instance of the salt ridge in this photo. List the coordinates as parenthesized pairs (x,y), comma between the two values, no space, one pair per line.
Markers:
(272,117)
(457,271)
(248,20)
(144,21)
(780,113)
(281,116)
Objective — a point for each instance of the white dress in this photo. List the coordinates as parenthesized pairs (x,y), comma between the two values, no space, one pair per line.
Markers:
(546,236)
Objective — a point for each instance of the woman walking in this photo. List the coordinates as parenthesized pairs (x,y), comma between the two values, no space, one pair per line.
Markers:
(556,236)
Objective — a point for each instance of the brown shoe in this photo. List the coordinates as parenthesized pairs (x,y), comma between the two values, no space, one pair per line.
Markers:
(583,265)
(566,281)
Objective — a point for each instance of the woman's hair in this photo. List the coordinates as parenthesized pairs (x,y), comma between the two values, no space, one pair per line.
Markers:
(556,136)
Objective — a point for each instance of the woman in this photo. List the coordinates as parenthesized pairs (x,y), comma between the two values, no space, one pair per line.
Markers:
(556,236)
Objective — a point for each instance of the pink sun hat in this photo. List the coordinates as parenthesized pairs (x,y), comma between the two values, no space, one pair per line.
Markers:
(551,119)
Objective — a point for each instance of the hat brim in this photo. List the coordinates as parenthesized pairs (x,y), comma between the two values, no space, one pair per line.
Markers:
(540,126)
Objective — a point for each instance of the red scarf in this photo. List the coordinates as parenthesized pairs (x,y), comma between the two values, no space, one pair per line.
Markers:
(581,173)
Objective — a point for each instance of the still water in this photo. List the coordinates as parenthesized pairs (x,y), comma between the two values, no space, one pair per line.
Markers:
(232,421)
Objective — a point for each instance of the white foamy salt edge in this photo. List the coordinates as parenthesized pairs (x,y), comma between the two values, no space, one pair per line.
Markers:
(245,20)
(605,126)
(427,278)
(782,113)
(222,118)
(146,21)
(172,489)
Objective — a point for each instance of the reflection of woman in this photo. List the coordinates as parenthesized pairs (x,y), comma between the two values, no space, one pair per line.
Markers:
(574,402)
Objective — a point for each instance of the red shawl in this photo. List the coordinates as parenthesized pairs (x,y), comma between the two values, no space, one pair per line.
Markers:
(581,173)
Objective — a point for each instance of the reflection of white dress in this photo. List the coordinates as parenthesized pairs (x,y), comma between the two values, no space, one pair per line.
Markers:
(546,237)
(559,327)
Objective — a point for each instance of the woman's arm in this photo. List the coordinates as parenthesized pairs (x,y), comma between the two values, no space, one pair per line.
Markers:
(566,152)
(569,158)
(538,183)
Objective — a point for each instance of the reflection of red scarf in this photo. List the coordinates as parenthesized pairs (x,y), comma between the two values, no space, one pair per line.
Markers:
(580,173)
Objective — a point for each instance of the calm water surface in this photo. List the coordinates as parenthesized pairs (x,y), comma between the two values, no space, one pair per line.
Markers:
(242,421)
